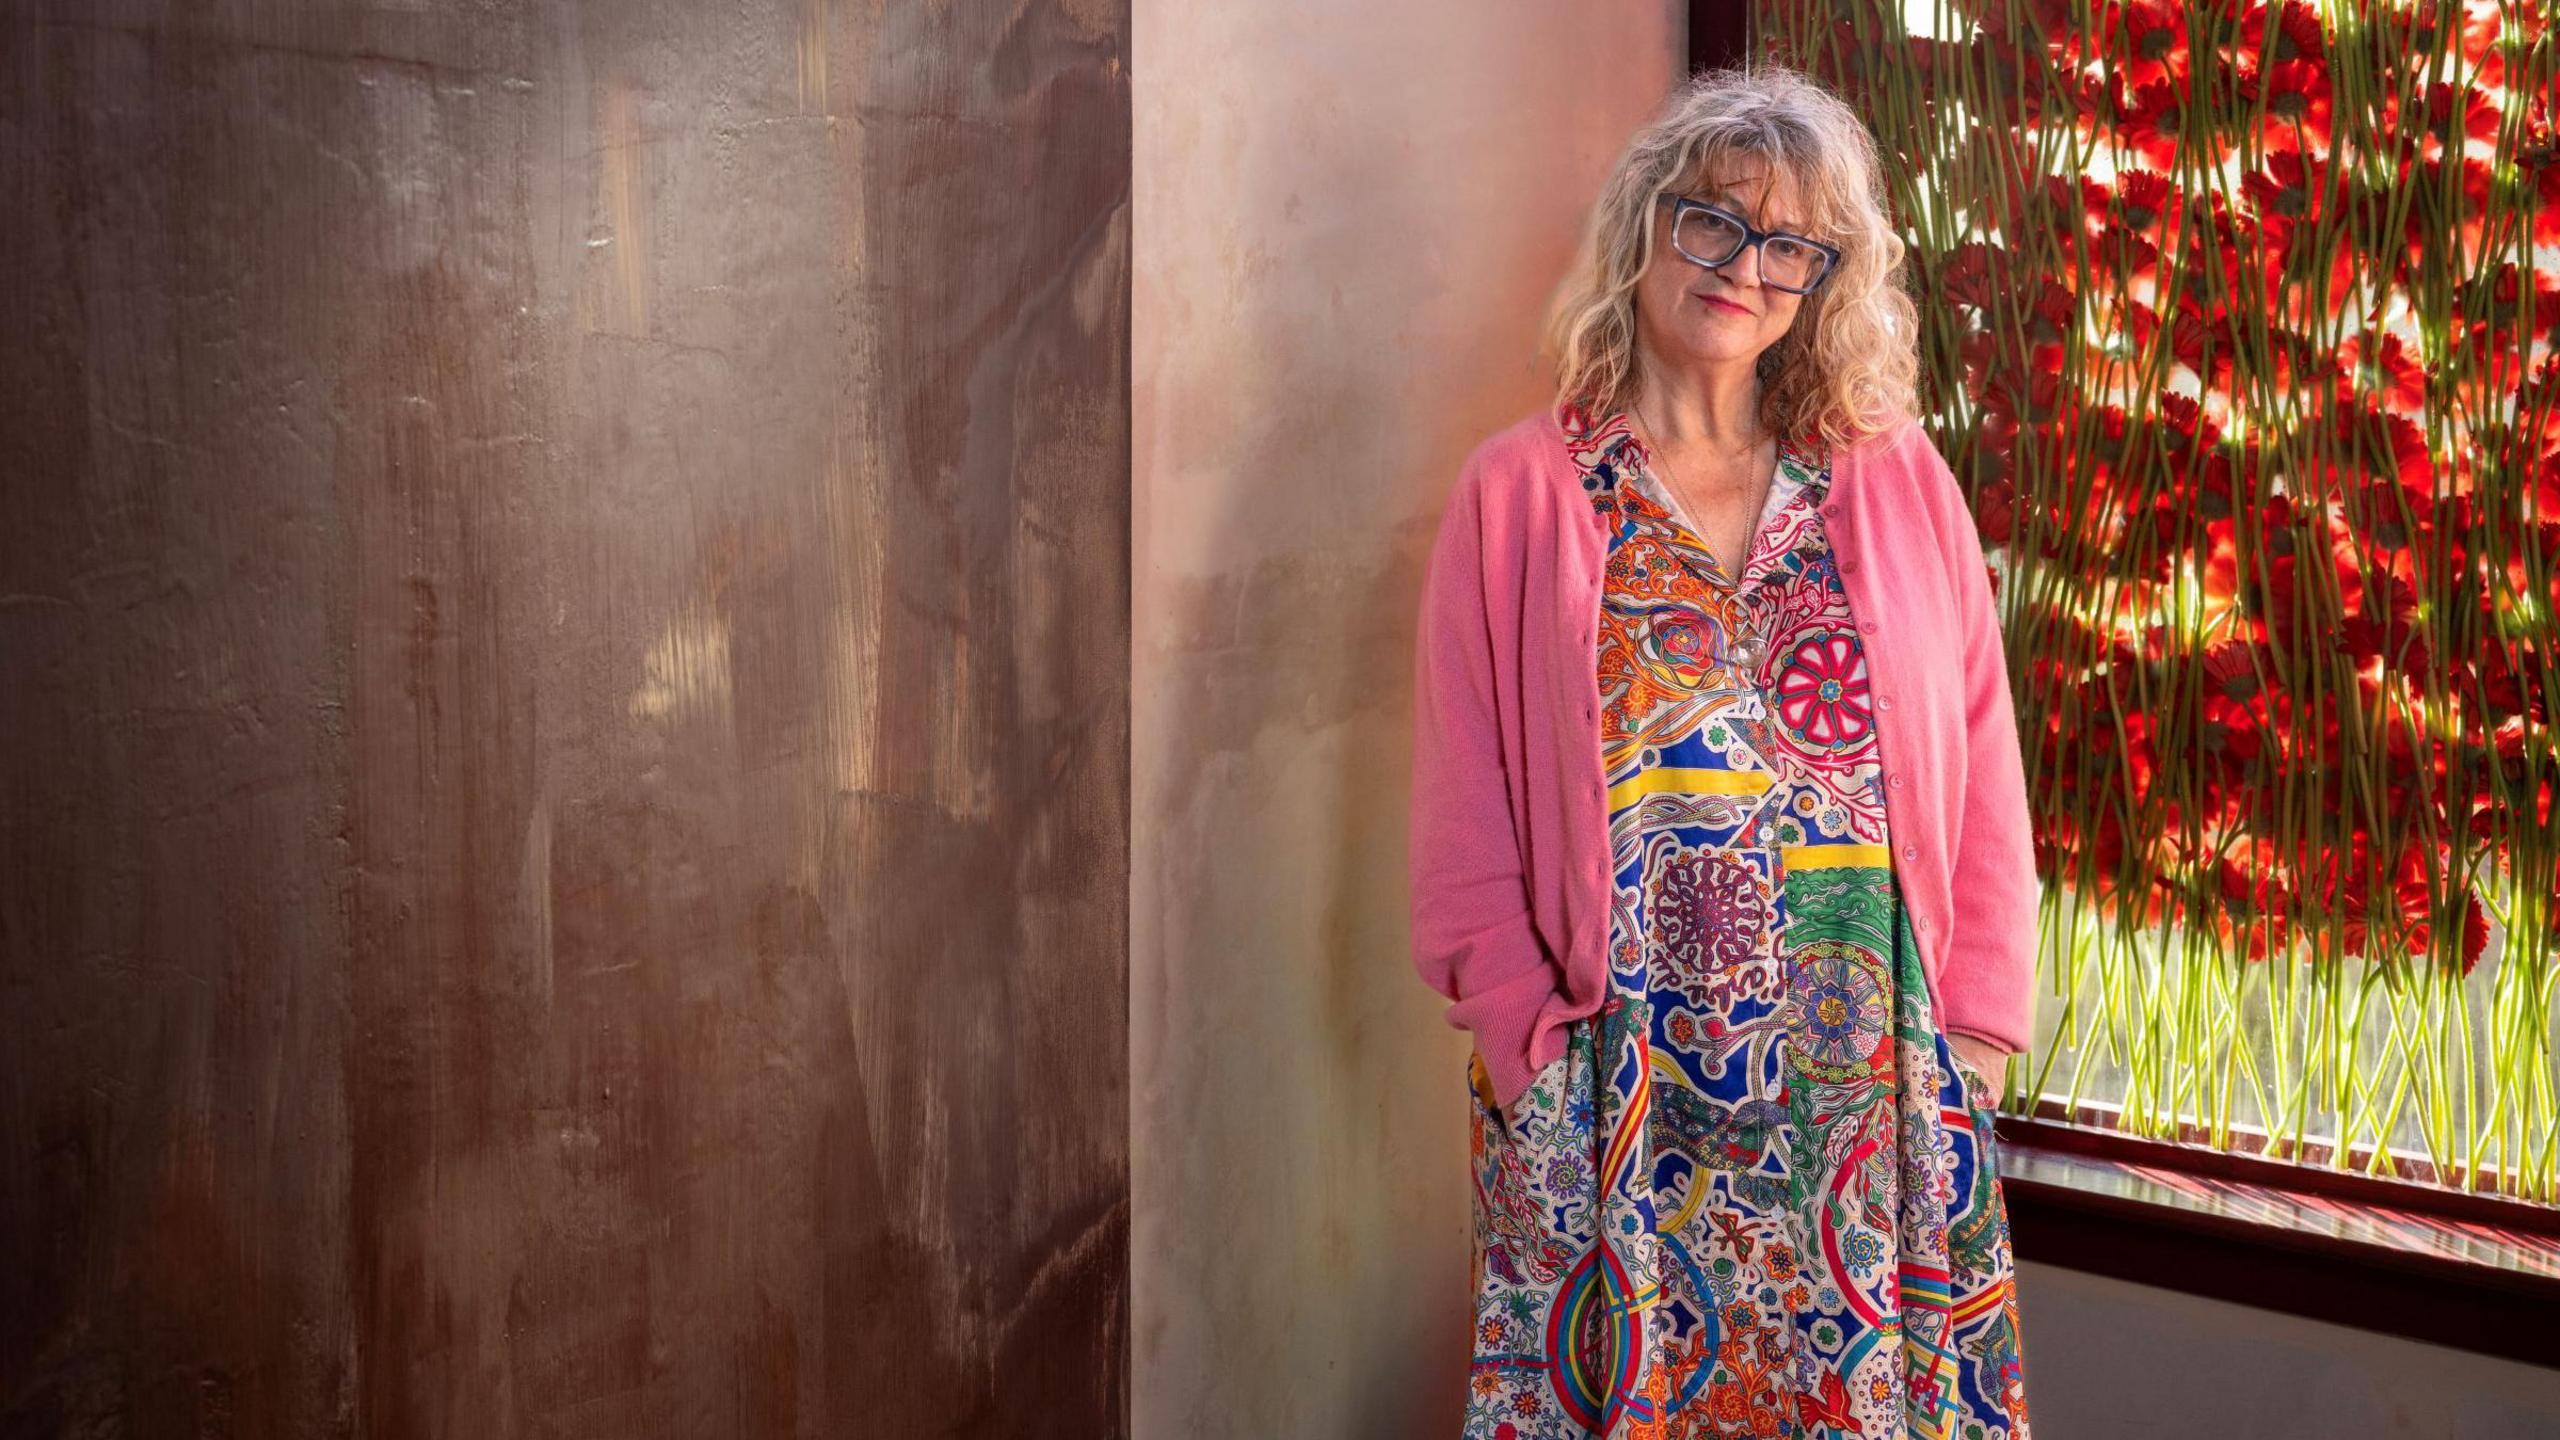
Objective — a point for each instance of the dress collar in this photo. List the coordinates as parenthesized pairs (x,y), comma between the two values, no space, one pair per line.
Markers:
(1608,457)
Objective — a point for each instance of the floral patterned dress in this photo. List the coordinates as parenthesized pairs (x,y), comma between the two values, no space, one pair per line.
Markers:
(1756,1196)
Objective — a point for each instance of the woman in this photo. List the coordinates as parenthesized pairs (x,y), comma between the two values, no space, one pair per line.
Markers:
(1720,844)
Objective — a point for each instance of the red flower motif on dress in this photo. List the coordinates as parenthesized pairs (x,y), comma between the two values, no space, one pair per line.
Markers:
(1822,694)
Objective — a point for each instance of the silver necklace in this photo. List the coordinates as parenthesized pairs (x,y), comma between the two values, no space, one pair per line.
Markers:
(1680,493)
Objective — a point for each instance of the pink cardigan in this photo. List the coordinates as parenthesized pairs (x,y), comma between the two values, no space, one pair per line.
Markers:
(1510,866)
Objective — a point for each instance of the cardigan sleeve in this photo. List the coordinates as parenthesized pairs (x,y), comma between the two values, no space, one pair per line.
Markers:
(1474,939)
(1989,979)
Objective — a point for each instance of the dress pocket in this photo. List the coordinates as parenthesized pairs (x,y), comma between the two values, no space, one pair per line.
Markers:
(1515,1162)
(1480,1081)
(1982,1107)
(1981,1092)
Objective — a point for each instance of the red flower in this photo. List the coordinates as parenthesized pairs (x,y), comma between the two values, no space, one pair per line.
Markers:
(2475,932)
(1822,691)
(1994,512)
(2298,95)
(2385,627)
(1964,278)
(2142,197)
(2298,35)
(2149,120)
(2281,194)
(2203,343)
(2385,371)
(2155,42)
(2538,151)
(2251,899)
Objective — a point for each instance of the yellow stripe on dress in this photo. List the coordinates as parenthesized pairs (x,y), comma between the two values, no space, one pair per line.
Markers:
(1683,780)
(1815,857)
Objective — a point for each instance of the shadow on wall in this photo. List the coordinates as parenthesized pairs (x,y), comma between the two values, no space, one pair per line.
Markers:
(1350,217)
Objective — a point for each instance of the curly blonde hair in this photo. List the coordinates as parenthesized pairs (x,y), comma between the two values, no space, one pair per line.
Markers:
(1849,366)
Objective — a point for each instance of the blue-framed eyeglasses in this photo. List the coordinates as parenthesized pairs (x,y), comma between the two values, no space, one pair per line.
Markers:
(1710,235)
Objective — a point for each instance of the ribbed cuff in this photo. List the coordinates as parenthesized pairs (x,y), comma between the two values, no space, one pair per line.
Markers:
(1511,1027)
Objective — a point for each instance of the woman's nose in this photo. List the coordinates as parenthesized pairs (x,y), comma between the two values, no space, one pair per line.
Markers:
(1744,267)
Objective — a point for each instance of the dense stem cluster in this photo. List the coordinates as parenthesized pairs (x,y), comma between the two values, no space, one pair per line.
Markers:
(2244,327)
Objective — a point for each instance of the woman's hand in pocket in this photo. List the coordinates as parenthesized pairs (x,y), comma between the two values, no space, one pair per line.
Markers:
(1985,1059)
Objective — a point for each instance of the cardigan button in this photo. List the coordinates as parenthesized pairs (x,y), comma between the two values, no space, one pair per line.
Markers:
(1897,782)
(1910,852)
(1884,702)
(1867,625)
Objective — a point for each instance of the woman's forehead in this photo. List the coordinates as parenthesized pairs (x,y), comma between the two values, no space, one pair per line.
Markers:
(1759,194)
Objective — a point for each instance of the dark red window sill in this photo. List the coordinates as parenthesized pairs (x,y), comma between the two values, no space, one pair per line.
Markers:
(2469,1271)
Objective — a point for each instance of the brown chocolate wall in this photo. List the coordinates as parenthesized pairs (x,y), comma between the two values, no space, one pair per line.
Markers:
(563,740)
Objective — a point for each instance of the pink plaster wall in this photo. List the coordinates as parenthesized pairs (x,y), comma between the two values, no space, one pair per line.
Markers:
(1348,217)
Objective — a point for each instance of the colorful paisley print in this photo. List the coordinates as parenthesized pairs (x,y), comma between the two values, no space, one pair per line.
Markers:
(1757,1194)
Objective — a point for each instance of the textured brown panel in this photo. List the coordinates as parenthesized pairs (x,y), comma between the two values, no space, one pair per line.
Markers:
(563,587)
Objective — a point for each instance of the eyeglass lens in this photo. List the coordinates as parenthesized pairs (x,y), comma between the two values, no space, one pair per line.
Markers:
(1711,239)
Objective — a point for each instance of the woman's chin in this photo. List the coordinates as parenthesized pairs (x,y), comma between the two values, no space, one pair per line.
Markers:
(1717,347)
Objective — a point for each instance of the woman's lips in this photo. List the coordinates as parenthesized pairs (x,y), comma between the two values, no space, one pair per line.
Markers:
(1716,304)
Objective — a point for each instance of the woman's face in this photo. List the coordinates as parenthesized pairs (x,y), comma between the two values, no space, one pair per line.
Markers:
(1691,317)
